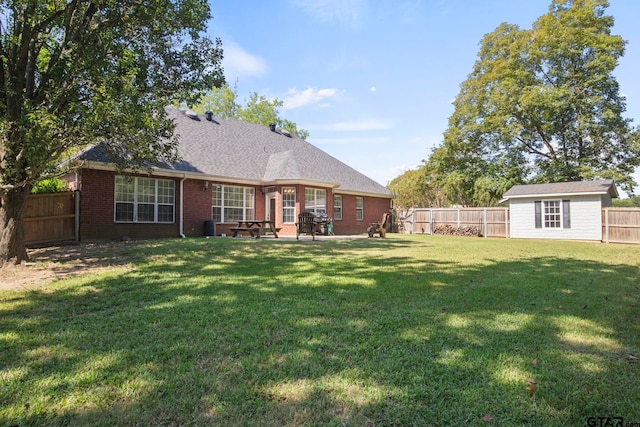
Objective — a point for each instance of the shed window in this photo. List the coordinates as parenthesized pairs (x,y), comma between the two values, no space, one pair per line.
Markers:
(554,214)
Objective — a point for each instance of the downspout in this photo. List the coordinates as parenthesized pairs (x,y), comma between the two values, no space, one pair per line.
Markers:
(181,224)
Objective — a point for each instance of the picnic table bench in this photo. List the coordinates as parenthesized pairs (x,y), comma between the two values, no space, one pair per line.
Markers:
(255,228)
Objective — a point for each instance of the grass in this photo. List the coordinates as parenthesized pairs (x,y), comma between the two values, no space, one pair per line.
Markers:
(409,330)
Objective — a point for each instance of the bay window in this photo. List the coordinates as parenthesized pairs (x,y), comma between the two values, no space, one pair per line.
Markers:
(288,205)
(315,200)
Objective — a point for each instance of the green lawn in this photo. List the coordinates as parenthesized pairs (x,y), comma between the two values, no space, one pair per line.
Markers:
(408,330)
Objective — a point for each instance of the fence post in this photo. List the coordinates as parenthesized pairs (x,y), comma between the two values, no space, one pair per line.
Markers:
(76,199)
(484,231)
(431,222)
(413,221)
(606,225)
(507,234)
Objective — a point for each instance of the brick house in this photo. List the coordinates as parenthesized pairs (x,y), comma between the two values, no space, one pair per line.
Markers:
(229,171)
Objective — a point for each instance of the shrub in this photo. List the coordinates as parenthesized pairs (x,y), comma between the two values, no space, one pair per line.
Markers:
(53,185)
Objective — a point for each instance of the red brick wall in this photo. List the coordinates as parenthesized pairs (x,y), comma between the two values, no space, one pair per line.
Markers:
(97,193)
(197,208)
(374,208)
(97,210)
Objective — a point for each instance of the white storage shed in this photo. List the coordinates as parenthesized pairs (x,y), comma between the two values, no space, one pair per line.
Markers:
(563,210)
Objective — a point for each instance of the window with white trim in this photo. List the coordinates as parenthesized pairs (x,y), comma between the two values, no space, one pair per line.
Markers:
(288,205)
(553,214)
(337,206)
(315,200)
(139,199)
(359,209)
(232,203)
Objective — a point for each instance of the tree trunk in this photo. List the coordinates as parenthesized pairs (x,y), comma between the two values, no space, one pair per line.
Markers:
(12,243)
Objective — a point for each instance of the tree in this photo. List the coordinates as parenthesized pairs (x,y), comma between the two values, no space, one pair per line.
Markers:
(630,202)
(414,189)
(540,105)
(78,72)
(222,102)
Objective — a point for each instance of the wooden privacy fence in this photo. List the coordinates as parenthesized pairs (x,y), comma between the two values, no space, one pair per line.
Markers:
(50,218)
(492,222)
(621,225)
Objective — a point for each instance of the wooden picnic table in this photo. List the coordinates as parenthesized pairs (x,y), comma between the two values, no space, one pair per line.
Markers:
(256,227)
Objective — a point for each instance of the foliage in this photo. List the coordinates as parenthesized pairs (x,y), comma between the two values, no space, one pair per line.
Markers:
(222,102)
(540,105)
(52,185)
(413,189)
(629,202)
(409,330)
(73,73)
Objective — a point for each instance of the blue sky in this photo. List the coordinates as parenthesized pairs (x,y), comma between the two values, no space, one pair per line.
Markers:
(373,80)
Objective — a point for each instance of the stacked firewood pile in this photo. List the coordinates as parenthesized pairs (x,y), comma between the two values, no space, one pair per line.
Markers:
(450,230)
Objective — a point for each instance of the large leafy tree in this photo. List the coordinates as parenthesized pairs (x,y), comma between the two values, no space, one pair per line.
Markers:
(222,102)
(77,72)
(414,188)
(540,105)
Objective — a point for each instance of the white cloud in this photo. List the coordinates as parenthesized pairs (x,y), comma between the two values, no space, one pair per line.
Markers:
(238,63)
(350,141)
(295,99)
(357,126)
(372,89)
(347,12)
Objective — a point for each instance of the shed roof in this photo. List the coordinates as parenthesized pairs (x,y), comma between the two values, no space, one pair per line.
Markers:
(246,152)
(557,189)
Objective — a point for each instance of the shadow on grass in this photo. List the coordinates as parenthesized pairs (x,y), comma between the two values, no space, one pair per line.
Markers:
(237,332)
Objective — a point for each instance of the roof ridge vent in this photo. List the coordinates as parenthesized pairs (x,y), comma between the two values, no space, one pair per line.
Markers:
(192,114)
(272,126)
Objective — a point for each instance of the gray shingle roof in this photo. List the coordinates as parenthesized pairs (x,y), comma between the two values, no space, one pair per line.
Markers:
(604,186)
(237,150)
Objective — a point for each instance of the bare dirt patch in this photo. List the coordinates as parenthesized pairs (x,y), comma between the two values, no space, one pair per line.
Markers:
(58,262)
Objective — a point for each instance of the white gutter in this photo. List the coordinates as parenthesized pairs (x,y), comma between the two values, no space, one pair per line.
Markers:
(551,195)
(363,193)
(172,173)
(181,224)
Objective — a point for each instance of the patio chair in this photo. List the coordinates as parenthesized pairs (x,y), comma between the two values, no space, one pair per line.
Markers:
(379,227)
(306,224)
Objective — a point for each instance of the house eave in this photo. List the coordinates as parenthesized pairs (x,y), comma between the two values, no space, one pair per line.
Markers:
(363,193)
(170,173)
(555,195)
(209,177)
(307,182)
